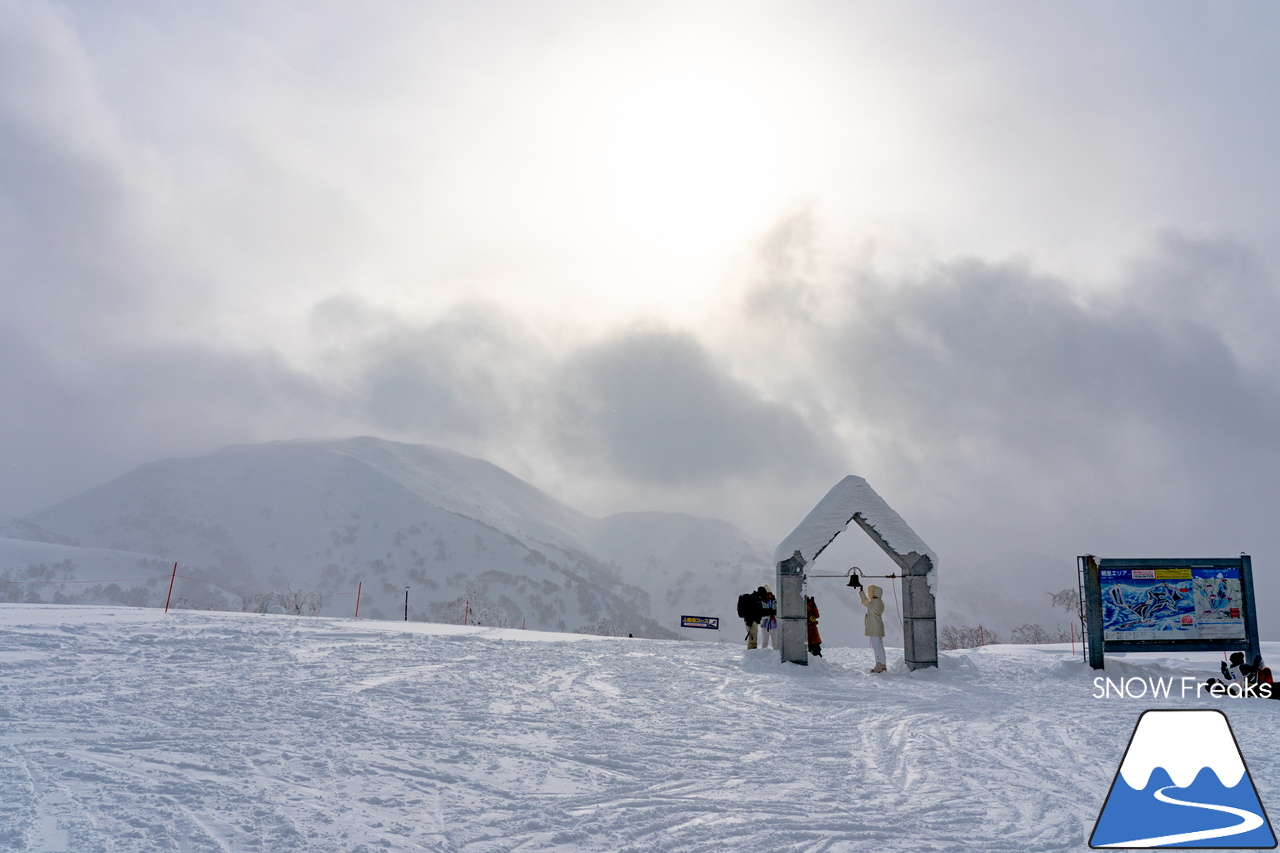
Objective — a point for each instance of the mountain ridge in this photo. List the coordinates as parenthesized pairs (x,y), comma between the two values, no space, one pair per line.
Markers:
(332,514)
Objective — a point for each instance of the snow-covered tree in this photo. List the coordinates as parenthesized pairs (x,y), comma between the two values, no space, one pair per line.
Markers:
(474,607)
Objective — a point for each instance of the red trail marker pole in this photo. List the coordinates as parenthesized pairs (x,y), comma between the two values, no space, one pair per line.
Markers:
(170,595)
(358,587)
(466,614)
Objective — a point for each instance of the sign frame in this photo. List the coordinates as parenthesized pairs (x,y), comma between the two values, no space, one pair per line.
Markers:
(1096,646)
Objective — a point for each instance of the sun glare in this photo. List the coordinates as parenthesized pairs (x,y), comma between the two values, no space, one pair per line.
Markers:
(627,172)
(692,156)
(675,150)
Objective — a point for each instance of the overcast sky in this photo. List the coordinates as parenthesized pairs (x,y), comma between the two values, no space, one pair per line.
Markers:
(1013,263)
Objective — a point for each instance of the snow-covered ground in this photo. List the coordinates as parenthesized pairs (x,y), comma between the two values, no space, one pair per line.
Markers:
(128,729)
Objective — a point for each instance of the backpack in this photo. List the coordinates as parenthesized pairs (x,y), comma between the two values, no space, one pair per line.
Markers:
(745,605)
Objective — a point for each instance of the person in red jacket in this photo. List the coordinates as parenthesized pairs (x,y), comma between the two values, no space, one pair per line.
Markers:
(811,615)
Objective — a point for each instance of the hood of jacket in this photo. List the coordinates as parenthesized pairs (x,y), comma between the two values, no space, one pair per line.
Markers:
(873,591)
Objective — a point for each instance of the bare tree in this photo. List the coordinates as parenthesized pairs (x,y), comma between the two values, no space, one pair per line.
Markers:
(603,628)
(965,637)
(298,603)
(1068,600)
(1033,634)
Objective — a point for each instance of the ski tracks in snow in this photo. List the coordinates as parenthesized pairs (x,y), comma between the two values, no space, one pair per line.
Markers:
(219,732)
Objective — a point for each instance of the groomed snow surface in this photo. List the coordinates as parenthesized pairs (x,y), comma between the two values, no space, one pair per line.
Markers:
(124,730)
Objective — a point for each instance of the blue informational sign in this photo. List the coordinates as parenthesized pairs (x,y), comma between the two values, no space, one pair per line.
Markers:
(1172,603)
(712,622)
(1145,604)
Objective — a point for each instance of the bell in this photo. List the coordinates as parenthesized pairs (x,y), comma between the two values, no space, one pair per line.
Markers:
(854,582)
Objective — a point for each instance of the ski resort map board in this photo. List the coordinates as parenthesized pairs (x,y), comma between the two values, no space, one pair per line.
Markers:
(1160,603)
(1203,604)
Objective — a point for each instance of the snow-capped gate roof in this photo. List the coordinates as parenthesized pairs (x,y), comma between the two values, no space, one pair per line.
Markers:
(850,497)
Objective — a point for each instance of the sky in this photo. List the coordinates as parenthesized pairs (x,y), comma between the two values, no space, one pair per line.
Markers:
(1015,264)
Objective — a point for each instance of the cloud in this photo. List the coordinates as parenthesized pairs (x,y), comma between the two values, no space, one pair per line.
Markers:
(642,405)
(76,416)
(473,376)
(1212,281)
(65,178)
(655,407)
(1013,409)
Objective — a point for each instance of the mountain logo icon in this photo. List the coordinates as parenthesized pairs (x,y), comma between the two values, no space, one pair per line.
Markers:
(1183,783)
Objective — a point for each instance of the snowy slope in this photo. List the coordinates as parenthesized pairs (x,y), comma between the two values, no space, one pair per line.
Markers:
(127,730)
(690,566)
(331,515)
(25,529)
(228,506)
(26,566)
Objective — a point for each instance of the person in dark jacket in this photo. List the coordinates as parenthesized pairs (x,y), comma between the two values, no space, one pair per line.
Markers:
(811,617)
(750,610)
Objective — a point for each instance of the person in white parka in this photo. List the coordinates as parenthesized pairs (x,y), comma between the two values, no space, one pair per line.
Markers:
(874,623)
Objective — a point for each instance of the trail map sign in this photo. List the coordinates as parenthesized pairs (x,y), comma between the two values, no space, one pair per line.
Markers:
(1168,605)
(712,622)
(1186,603)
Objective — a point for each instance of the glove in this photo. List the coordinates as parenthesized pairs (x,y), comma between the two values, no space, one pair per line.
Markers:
(1226,673)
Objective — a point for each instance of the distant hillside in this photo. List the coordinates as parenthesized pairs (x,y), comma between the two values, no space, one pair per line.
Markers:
(689,565)
(310,515)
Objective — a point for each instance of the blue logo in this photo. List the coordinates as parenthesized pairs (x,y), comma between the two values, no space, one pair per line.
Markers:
(1183,783)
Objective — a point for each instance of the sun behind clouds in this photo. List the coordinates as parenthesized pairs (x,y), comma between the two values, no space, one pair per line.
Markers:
(694,153)
(674,151)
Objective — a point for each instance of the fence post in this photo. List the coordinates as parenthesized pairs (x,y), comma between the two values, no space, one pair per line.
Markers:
(982,637)
(359,586)
(172,577)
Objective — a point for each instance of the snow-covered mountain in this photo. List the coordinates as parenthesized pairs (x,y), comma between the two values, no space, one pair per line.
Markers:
(328,515)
